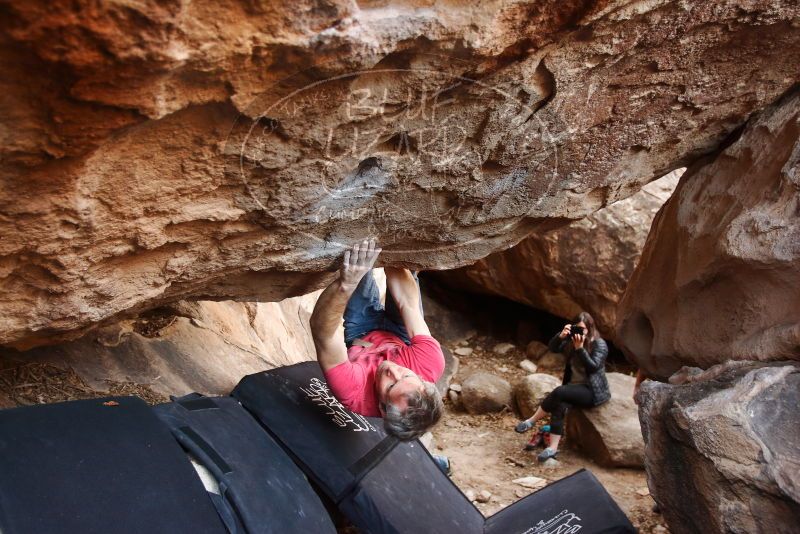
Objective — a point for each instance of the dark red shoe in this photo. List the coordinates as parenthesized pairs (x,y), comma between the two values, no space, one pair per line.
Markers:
(536,441)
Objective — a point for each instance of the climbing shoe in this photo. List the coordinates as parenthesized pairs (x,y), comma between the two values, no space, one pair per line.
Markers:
(536,441)
(524,426)
(546,455)
(443,463)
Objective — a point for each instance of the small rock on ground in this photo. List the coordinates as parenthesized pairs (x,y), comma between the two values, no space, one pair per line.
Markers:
(484,496)
(503,348)
(427,440)
(552,360)
(470,495)
(528,366)
(535,350)
(454,398)
(463,351)
(551,463)
(531,482)
(456,387)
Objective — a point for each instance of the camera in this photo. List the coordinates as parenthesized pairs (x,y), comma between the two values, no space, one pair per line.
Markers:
(576,330)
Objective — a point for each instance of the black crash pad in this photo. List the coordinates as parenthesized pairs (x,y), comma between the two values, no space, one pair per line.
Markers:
(88,467)
(389,487)
(261,490)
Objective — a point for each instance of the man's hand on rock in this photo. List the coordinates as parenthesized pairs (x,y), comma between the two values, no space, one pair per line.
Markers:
(357,262)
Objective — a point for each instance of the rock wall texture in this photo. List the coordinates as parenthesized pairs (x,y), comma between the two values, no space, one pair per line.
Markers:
(584,266)
(188,346)
(158,151)
(723,455)
(719,277)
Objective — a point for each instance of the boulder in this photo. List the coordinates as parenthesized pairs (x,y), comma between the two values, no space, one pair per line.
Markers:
(450,370)
(723,454)
(584,266)
(609,434)
(535,350)
(719,277)
(554,361)
(190,346)
(485,393)
(213,151)
(531,391)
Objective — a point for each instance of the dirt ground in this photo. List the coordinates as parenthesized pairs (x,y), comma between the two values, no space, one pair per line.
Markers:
(487,454)
(25,383)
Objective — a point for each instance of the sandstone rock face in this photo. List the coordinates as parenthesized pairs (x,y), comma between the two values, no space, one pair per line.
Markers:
(485,393)
(724,455)
(719,278)
(552,360)
(535,350)
(610,434)
(531,391)
(584,266)
(155,152)
(191,346)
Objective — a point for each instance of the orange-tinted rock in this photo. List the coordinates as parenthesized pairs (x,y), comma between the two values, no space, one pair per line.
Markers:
(584,266)
(160,151)
(719,277)
(190,346)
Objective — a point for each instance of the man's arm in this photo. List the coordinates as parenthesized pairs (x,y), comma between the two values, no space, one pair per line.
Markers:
(403,288)
(330,306)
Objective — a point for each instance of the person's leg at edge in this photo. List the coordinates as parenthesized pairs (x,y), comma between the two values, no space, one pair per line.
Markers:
(364,312)
(393,322)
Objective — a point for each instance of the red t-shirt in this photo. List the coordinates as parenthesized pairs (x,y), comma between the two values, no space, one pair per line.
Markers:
(353,381)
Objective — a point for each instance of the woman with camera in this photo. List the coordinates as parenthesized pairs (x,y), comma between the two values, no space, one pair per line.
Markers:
(584,382)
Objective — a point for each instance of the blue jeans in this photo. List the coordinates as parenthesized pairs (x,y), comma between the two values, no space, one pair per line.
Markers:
(365,313)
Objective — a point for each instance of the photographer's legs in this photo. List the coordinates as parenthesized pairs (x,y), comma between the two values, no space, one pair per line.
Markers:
(557,403)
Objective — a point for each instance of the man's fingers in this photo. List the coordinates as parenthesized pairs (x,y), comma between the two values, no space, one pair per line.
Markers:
(362,253)
(346,258)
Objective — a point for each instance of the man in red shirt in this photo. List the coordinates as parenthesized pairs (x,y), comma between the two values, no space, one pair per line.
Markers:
(387,362)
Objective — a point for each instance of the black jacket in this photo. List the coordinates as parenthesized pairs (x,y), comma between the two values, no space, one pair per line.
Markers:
(594,363)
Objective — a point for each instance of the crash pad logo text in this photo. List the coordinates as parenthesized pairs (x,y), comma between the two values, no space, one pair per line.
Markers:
(320,395)
(564,523)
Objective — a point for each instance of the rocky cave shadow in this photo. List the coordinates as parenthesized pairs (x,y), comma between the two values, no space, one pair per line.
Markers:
(453,314)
